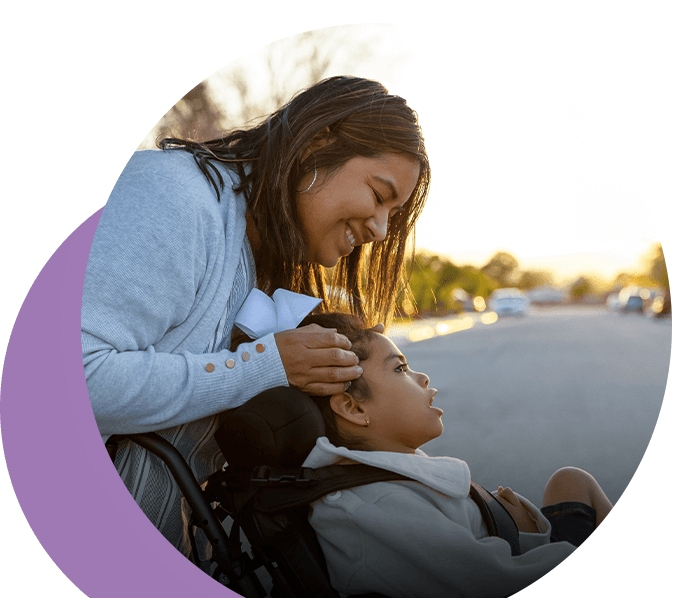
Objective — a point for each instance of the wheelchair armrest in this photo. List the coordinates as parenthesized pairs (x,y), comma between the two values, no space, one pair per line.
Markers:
(191,490)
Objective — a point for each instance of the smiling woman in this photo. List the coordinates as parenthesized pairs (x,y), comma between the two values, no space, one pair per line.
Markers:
(190,231)
(354,205)
(331,130)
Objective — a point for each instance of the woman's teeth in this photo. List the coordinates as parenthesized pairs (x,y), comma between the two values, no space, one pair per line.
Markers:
(350,237)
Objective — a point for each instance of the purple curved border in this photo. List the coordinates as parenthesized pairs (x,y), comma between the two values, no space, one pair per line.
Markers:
(141,531)
(70,493)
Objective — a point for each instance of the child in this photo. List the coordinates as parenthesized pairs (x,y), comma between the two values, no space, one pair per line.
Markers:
(426,537)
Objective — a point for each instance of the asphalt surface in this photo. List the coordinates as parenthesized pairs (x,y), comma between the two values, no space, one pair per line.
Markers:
(562,386)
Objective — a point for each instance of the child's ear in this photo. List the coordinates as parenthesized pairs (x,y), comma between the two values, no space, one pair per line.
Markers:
(347,407)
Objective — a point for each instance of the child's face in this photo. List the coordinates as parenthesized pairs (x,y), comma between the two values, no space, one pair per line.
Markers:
(400,409)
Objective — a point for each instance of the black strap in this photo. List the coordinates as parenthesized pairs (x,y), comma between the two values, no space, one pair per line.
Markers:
(308,484)
(282,490)
(495,516)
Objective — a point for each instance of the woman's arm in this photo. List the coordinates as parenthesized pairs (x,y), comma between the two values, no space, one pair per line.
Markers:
(150,304)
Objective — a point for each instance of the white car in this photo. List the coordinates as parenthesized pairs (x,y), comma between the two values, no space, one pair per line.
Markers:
(509,302)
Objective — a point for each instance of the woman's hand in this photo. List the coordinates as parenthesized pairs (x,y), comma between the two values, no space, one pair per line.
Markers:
(317,360)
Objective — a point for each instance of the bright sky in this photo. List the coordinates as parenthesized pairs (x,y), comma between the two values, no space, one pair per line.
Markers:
(544,142)
(538,141)
(527,156)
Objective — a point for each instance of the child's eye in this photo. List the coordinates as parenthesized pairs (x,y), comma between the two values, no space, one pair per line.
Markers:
(379,201)
(401,368)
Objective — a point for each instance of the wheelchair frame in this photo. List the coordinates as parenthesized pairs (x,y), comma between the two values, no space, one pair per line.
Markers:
(234,569)
(267,493)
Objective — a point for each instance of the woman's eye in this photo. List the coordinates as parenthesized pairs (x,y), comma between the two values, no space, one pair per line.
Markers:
(379,201)
(401,368)
(395,212)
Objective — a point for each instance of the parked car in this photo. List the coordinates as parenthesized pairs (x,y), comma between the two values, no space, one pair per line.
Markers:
(546,296)
(632,304)
(509,302)
(661,305)
(613,302)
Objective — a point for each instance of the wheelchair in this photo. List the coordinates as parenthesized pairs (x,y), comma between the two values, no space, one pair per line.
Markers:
(264,492)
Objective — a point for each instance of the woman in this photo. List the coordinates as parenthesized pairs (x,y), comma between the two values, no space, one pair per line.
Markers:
(334,179)
(427,537)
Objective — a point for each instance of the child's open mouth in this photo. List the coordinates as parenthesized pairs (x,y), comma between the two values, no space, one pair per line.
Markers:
(431,402)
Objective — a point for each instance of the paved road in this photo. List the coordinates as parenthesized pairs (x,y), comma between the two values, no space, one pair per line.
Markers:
(563,386)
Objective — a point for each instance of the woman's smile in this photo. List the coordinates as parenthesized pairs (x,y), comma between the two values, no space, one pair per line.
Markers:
(352,206)
(350,237)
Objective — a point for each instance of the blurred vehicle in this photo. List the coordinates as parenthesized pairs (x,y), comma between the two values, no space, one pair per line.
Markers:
(466,302)
(546,296)
(630,300)
(613,301)
(633,303)
(479,303)
(661,305)
(509,302)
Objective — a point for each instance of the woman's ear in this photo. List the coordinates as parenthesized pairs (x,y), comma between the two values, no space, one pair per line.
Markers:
(344,405)
(320,140)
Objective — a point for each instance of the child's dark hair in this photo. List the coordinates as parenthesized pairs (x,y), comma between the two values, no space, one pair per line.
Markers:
(356,330)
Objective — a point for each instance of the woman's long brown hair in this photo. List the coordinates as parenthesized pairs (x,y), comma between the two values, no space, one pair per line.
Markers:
(357,117)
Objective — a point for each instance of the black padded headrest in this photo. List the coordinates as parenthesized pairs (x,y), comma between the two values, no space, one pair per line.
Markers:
(278,428)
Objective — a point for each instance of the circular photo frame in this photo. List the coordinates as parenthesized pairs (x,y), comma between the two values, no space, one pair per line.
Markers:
(65,484)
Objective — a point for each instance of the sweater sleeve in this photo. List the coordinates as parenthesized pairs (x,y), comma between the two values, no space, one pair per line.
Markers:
(149,287)
(402,545)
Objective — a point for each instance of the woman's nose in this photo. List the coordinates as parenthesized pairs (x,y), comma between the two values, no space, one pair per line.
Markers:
(424,380)
(378,226)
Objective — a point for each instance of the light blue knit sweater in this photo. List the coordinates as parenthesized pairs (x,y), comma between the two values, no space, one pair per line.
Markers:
(160,274)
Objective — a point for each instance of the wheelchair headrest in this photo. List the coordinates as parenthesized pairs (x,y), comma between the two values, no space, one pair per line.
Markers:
(278,428)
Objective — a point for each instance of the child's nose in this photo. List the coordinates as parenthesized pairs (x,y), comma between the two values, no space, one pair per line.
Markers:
(424,380)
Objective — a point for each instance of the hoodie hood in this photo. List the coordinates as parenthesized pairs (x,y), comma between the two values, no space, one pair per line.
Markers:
(443,474)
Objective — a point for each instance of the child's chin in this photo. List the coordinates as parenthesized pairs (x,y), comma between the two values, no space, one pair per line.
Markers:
(437,434)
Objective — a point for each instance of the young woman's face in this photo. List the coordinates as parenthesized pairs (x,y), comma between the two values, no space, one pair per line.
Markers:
(400,411)
(353,205)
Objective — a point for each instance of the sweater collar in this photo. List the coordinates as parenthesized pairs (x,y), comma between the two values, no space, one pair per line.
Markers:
(444,474)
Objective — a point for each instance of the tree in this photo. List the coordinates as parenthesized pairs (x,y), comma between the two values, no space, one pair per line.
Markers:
(435,282)
(658,269)
(255,86)
(653,271)
(476,283)
(533,278)
(581,287)
(195,116)
(501,268)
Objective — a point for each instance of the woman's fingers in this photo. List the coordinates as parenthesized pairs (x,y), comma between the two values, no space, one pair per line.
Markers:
(317,360)
(318,337)
(326,380)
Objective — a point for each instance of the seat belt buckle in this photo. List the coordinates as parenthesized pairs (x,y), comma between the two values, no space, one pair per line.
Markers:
(273,477)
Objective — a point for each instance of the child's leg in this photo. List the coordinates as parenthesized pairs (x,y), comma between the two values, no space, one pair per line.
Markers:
(570,484)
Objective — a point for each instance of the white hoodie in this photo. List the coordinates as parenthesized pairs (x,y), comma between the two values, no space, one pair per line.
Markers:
(423,538)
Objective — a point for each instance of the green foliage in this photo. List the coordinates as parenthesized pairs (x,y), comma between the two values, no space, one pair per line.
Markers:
(653,274)
(658,269)
(581,287)
(436,281)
